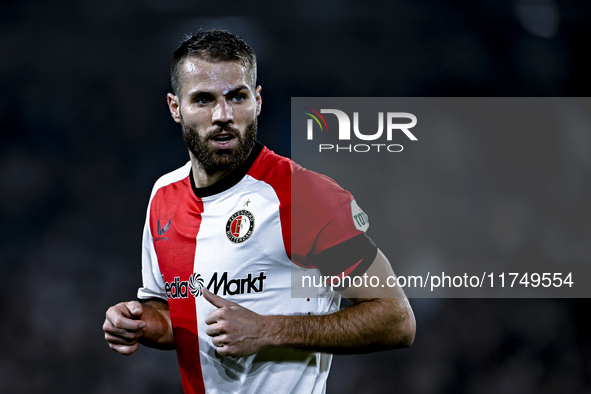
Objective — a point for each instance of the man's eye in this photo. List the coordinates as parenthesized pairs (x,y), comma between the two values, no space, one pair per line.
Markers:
(202,100)
(239,98)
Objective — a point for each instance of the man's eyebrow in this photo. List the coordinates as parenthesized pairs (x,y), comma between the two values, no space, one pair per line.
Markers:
(227,91)
(199,93)
(233,89)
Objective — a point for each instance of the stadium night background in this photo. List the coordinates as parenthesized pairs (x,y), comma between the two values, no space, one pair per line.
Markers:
(85,132)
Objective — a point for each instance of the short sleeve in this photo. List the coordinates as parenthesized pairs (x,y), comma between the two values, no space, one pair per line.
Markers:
(153,283)
(328,227)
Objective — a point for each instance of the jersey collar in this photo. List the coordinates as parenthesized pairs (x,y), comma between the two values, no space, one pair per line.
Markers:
(229,181)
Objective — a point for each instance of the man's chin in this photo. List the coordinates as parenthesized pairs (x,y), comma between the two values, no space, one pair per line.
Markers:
(220,160)
(217,155)
(224,146)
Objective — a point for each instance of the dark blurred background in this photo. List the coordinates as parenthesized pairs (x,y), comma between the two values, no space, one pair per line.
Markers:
(85,132)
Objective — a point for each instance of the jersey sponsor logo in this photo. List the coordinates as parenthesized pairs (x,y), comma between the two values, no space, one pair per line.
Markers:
(240,226)
(360,219)
(219,285)
(176,289)
(250,284)
(195,284)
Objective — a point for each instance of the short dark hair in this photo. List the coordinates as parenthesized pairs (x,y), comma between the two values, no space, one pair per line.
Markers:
(212,45)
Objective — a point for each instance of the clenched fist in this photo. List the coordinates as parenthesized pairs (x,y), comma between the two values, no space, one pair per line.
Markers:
(235,330)
(123,326)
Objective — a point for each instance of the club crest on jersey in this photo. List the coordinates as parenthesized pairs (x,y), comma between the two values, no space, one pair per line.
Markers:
(240,226)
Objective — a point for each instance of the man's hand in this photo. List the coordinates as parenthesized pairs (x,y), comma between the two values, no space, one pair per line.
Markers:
(123,326)
(235,330)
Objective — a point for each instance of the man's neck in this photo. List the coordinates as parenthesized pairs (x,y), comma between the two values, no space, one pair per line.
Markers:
(201,177)
(204,182)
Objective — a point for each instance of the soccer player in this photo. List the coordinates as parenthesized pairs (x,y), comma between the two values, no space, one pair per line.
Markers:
(220,244)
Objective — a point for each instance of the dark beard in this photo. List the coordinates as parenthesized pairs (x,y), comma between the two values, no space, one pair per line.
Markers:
(214,160)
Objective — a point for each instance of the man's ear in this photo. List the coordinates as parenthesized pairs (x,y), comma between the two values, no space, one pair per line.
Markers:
(258,99)
(174,105)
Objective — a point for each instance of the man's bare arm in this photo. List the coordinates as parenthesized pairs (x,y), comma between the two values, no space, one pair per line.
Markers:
(371,324)
(129,323)
(379,319)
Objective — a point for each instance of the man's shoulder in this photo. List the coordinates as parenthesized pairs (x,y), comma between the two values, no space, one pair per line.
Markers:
(270,165)
(304,180)
(172,177)
(268,157)
(270,162)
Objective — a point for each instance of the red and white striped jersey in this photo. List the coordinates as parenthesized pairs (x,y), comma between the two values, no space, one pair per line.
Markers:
(240,239)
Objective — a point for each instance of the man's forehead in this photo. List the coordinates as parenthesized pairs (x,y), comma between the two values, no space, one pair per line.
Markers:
(202,69)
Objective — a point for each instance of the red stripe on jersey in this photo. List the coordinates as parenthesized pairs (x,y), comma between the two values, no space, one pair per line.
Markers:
(276,171)
(322,214)
(175,236)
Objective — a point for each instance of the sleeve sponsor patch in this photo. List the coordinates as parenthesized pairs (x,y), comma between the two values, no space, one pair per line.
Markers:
(360,218)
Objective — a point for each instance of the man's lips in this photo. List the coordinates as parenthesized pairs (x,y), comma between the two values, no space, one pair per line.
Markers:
(223,140)
(223,137)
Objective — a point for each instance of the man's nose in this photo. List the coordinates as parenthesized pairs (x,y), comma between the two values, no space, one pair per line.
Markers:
(222,112)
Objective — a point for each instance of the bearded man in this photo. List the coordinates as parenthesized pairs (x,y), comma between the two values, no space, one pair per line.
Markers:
(223,234)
